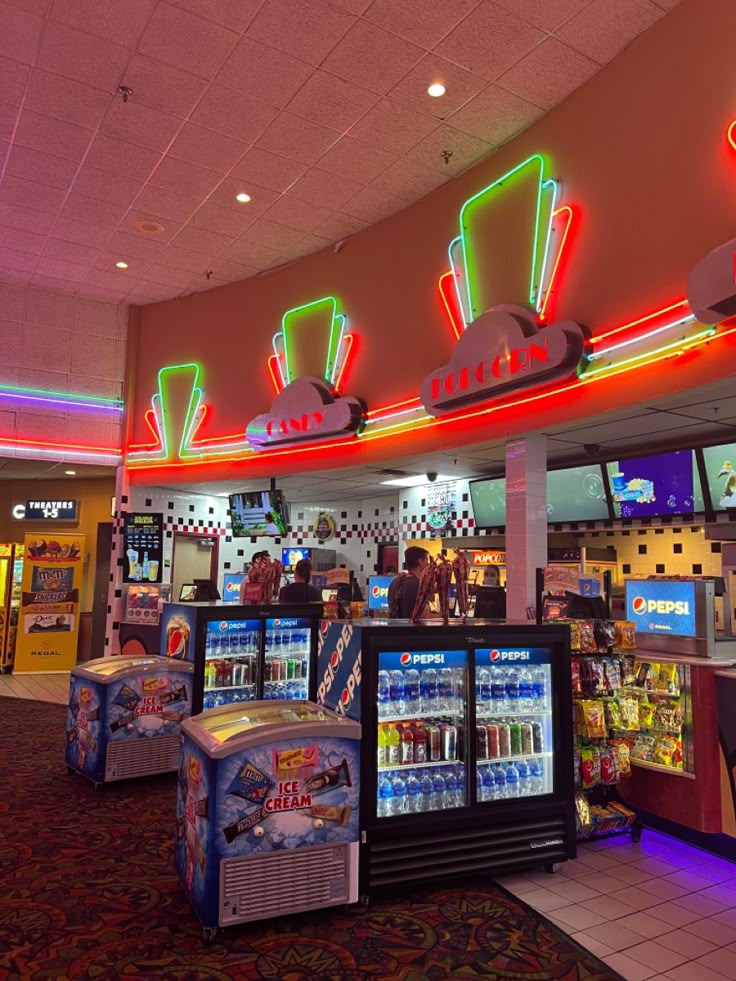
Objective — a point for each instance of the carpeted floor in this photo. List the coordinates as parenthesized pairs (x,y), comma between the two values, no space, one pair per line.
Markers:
(88,890)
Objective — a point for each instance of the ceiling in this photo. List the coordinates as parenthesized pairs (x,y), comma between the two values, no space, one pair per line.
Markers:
(17,469)
(316,108)
(701,416)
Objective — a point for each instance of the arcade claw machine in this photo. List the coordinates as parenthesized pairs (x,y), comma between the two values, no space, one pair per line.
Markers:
(124,717)
(267,811)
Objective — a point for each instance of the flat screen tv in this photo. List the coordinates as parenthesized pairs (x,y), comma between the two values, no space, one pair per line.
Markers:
(255,514)
(488,497)
(290,556)
(720,466)
(656,486)
(576,494)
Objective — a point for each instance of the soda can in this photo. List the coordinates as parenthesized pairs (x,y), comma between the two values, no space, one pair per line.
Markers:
(449,742)
(504,739)
(237,674)
(515,734)
(527,741)
(537,737)
(301,668)
(481,742)
(291,668)
(434,743)
(268,670)
(493,748)
(251,670)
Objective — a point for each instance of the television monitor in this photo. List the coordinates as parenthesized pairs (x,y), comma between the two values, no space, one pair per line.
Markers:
(656,486)
(255,514)
(576,494)
(187,593)
(378,592)
(206,590)
(490,603)
(488,497)
(720,468)
(290,556)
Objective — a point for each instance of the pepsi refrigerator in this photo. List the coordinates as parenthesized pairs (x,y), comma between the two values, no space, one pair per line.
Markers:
(267,811)
(243,653)
(467,744)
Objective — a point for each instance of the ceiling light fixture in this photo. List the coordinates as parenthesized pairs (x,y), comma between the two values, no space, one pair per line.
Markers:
(436,89)
(416,480)
(242,197)
(121,264)
(71,473)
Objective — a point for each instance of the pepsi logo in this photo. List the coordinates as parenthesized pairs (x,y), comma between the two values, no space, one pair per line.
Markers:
(277,623)
(346,697)
(639,605)
(405,659)
(335,660)
(376,591)
(223,625)
(495,655)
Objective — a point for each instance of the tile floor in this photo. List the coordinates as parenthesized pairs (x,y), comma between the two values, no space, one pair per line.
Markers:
(659,910)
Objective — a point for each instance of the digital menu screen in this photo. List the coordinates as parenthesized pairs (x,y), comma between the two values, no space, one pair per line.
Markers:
(143,536)
(720,466)
(576,494)
(656,486)
(488,498)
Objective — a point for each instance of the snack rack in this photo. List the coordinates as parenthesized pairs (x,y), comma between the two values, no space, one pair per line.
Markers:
(662,690)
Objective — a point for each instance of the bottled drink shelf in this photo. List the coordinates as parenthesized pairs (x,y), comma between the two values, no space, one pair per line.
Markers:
(517,756)
(500,714)
(393,767)
(231,687)
(422,716)
(228,657)
(302,652)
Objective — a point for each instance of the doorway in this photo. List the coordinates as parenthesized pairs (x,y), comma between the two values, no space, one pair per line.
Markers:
(195,557)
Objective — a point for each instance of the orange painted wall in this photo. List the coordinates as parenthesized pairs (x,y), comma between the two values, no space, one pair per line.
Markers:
(640,150)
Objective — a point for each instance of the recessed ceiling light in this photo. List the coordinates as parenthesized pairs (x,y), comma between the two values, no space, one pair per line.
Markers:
(121,264)
(147,226)
(416,480)
(242,197)
(71,473)
(436,89)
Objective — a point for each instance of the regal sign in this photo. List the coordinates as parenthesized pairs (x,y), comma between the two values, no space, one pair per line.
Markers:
(501,352)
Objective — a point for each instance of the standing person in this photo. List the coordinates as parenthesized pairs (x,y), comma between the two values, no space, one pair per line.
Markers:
(257,556)
(402,593)
(300,591)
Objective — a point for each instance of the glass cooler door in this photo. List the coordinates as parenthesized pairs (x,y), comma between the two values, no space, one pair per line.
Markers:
(514,728)
(286,667)
(230,662)
(421,738)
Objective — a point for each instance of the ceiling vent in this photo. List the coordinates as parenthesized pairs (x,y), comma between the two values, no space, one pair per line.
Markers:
(149,227)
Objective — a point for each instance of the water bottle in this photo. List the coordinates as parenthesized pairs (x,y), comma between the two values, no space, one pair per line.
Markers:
(539,687)
(524,778)
(399,789)
(460,784)
(428,690)
(483,691)
(445,690)
(396,692)
(384,695)
(526,690)
(479,784)
(459,682)
(413,795)
(438,791)
(512,781)
(411,691)
(498,690)
(536,774)
(450,789)
(427,791)
(489,784)
(385,797)
(499,777)
(512,690)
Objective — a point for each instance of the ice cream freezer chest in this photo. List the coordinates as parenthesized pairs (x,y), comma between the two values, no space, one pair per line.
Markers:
(124,716)
(267,811)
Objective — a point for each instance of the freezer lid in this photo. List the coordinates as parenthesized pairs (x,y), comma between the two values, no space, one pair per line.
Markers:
(227,729)
(108,668)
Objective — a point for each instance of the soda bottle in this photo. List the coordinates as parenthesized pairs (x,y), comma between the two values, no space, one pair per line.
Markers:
(438,791)
(499,778)
(498,690)
(382,755)
(428,690)
(209,675)
(385,797)
(450,789)
(396,692)
(512,690)
(539,687)
(384,694)
(413,795)
(526,690)
(420,743)
(460,784)
(399,789)
(445,691)
(393,744)
(427,791)
(512,781)
(524,778)
(489,784)
(483,691)
(411,691)
(459,681)
(536,782)
(406,746)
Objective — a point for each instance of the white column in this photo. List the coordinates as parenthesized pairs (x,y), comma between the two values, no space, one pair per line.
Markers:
(115,607)
(526,521)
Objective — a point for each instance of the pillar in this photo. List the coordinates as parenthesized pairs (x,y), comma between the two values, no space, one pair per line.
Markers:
(115,601)
(526,521)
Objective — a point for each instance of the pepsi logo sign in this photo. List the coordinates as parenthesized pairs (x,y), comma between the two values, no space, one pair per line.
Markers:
(509,655)
(405,659)
(639,605)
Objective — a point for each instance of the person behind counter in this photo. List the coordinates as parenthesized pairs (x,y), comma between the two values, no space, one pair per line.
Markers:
(402,593)
(300,591)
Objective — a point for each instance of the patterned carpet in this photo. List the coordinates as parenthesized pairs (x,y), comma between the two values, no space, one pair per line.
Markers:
(88,890)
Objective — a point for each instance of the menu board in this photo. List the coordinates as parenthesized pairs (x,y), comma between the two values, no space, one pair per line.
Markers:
(143,538)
